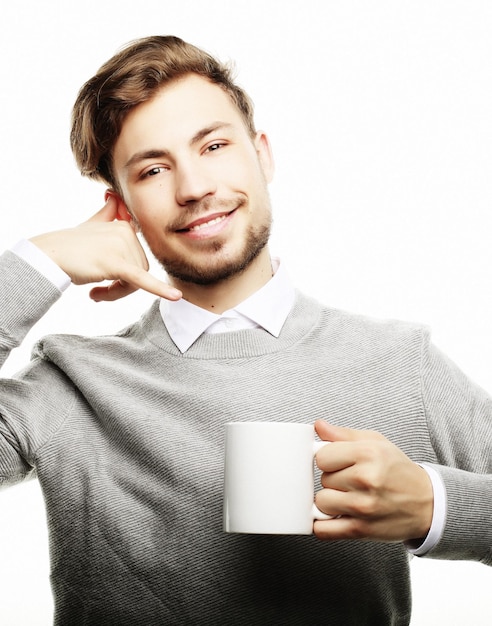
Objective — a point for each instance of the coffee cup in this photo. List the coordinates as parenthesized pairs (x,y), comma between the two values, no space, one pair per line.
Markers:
(269,478)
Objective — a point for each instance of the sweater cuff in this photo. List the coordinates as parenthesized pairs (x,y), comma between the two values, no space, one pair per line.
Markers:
(468,531)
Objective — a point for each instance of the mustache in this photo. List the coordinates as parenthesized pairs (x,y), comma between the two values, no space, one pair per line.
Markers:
(205,206)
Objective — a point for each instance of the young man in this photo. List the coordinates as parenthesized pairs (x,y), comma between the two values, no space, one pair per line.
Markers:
(125,432)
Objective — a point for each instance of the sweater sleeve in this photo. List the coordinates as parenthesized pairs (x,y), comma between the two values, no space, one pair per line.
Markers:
(25,296)
(459,416)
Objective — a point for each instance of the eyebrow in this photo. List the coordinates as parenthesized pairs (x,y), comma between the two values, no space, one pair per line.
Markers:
(201,134)
(153,153)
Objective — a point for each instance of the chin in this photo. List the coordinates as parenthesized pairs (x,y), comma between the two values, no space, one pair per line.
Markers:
(217,268)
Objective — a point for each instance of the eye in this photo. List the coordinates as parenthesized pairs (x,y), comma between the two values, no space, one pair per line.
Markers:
(215,146)
(154,171)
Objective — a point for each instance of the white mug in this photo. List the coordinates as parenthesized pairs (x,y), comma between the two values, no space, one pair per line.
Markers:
(269,478)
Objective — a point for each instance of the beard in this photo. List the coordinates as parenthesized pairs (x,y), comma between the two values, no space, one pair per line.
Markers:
(219,266)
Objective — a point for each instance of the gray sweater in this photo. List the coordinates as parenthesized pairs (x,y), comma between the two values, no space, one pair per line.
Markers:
(125,434)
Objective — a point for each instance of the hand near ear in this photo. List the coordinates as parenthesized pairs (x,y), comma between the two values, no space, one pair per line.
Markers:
(371,488)
(105,247)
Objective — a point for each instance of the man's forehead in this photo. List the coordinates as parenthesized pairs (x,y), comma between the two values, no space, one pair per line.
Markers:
(186,110)
(187,94)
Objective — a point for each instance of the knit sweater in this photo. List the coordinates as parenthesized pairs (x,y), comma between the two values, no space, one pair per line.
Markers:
(125,435)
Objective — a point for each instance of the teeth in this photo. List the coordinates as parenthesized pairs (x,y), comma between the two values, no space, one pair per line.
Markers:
(205,224)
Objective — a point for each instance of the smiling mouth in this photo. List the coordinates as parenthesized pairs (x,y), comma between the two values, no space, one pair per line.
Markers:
(205,222)
(216,220)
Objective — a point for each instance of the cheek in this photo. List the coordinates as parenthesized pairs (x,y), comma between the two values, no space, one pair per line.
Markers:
(146,208)
(243,177)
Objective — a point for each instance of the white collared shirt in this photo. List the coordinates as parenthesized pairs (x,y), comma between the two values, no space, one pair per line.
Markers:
(267,308)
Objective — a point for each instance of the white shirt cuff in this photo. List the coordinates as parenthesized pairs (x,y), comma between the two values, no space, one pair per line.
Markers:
(438,516)
(41,262)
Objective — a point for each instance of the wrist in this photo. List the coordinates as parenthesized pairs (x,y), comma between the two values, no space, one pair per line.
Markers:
(420,547)
(31,253)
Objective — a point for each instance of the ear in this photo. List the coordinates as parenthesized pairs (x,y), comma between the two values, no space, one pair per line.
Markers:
(123,212)
(265,155)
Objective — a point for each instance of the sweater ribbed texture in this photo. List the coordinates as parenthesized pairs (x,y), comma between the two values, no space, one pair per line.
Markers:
(126,435)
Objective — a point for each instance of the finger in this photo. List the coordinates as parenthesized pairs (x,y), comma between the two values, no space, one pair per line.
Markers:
(342,528)
(337,456)
(366,456)
(336,502)
(359,514)
(118,290)
(134,278)
(142,279)
(109,293)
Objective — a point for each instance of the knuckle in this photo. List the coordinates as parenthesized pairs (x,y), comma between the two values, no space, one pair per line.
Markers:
(364,478)
(325,480)
(369,451)
(320,499)
(368,507)
(123,231)
(358,529)
(355,529)
(376,436)
(365,506)
(372,435)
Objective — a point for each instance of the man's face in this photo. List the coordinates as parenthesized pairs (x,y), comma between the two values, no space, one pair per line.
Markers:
(195,181)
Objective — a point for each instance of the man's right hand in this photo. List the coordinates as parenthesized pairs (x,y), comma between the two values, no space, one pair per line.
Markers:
(104,248)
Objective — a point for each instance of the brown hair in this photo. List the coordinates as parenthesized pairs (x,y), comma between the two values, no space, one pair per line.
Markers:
(130,77)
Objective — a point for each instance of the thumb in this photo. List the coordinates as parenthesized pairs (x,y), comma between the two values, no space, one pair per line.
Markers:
(329,432)
(108,213)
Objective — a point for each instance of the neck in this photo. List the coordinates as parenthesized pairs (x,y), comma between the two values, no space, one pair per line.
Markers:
(226,294)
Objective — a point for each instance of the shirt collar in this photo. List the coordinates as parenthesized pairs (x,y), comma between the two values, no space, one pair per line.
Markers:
(267,308)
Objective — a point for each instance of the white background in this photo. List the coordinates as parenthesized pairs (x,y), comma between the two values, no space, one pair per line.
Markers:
(380,118)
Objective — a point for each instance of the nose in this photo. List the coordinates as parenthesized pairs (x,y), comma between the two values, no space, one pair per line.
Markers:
(193,183)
